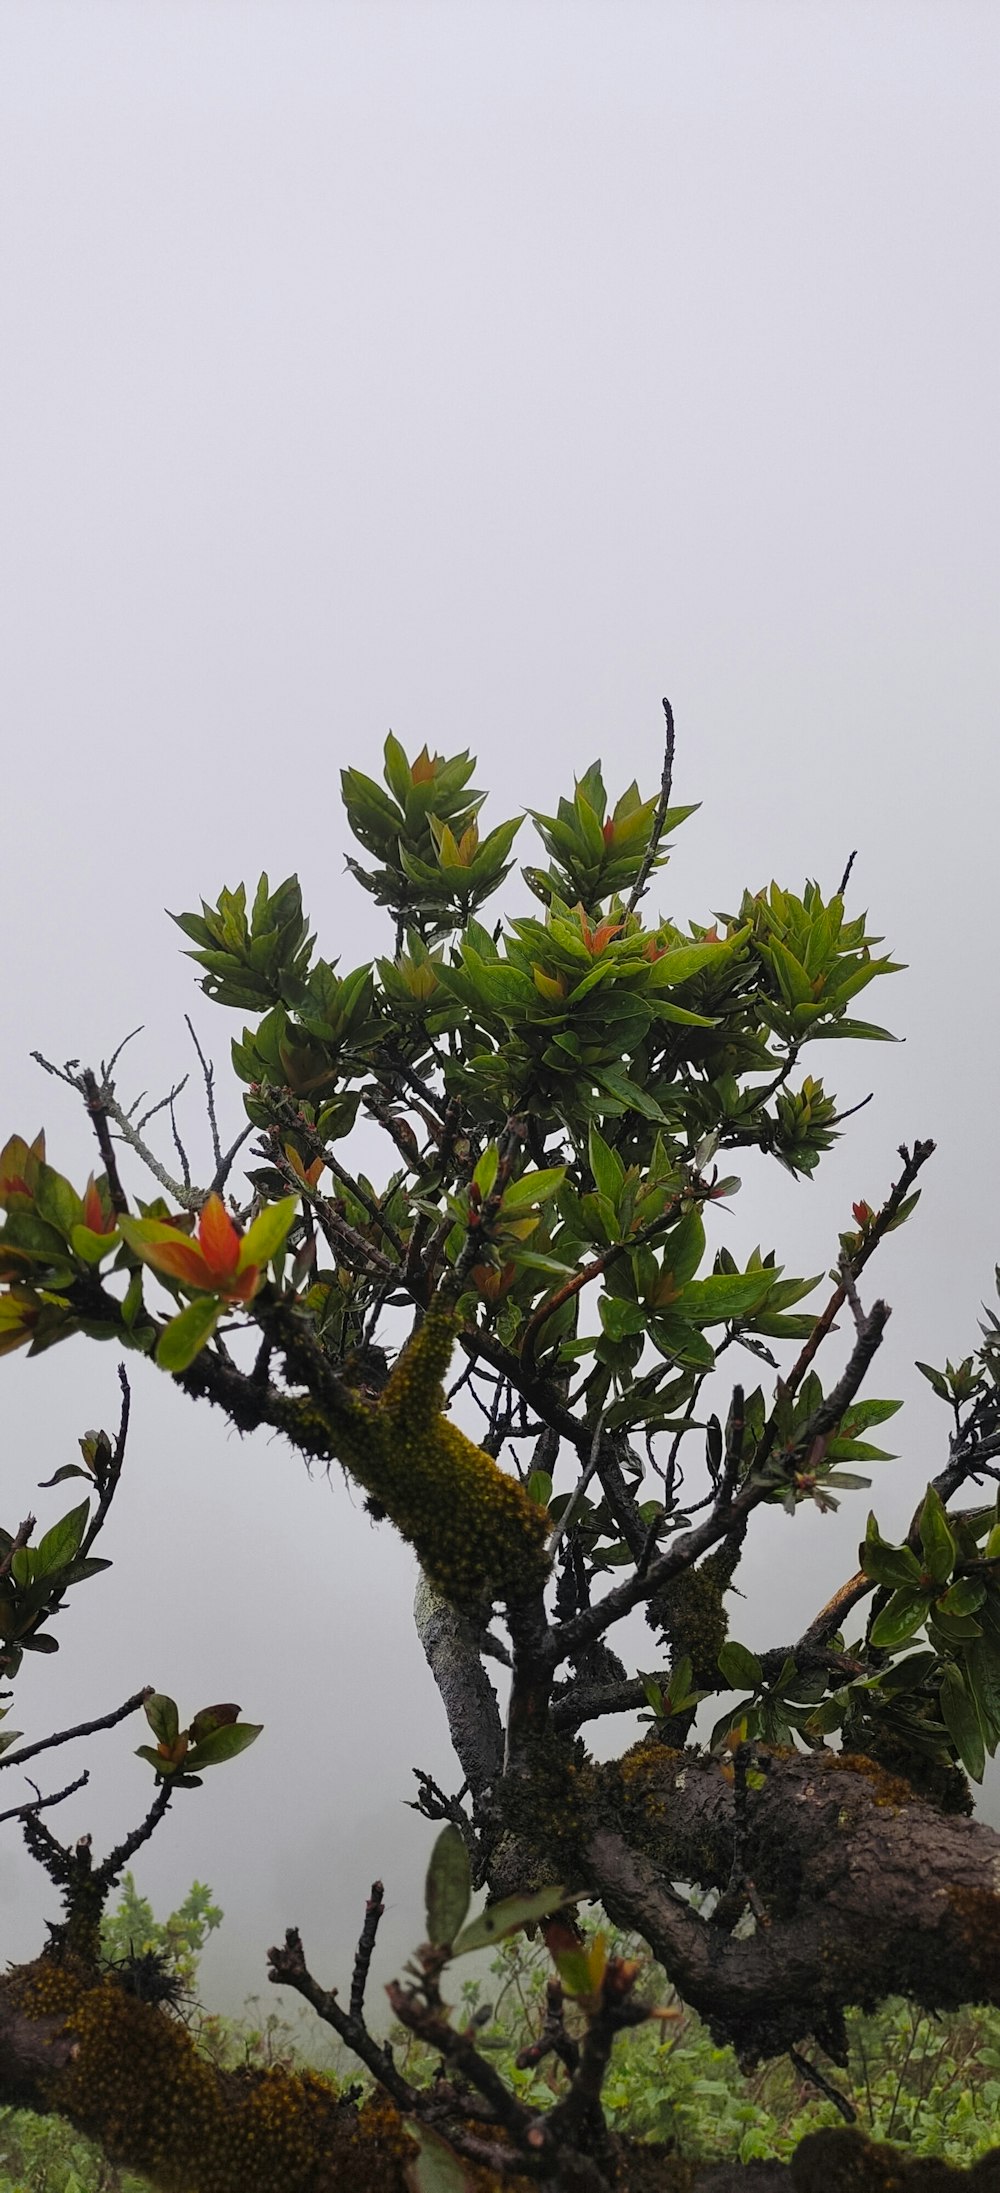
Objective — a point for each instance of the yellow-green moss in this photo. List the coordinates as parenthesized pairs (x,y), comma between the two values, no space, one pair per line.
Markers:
(886,1789)
(137,2085)
(474,1529)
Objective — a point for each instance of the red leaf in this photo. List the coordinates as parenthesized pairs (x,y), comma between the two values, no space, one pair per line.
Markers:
(220,1242)
(180,1260)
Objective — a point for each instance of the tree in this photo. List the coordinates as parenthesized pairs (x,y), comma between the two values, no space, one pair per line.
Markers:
(560,1095)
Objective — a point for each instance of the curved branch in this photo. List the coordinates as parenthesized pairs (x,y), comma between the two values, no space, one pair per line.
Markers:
(469,1700)
(863,1891)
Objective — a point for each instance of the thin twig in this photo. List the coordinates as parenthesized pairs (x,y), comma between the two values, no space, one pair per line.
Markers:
(660,815)
(913,1160)
(287,1968)
(190,1199)
(286,1114)
(598,1264)
(175,1131)
(227,1160)
(566,1639)
(572,1508)
(98,1105)
(83,1728)
(374,1910)
(846,877)
(107,1490)
(34,1805)
(160,1106)
(20,1538)
(107,1873)
(808,2071)
(208,1076)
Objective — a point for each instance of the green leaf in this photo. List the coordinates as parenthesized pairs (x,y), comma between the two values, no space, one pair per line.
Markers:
(222,1743)
(618,1084)
(187,1333)
(57,1202)
(161,1713)
(936,1537)
(724,1295)
(532,1188)
(510,1914)
(59,1545)
(621,1319)
(741,1668)
(267,1234)
(539,1488)
(962,1722)
(91,1247)
(965,1596)
(437,2168)
(606,1167)
(486,1170)
(906,1612)
(449,1887)
(896,1566)
(863,1413)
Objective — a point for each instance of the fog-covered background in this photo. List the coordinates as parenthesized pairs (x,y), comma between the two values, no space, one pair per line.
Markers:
(486,371)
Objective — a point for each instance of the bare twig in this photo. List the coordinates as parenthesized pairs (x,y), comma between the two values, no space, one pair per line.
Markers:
(571,1510)
(336,1229)
(108,1488)
(208,1076)
(20,1538)
(808,2071)
(161,1105)
(913,1160)
(227,1160)
(83,1728)
(34,1805)
(374,1910)
(106,1874)
(287,1968)
(286,1114)
(660,815)
(190,1199)
(846,877)
(97,1103)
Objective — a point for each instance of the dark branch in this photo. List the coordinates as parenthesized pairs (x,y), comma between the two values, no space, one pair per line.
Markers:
(83,1728)
(660,816)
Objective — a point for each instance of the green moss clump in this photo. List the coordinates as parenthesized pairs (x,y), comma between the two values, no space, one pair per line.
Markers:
(477,1534)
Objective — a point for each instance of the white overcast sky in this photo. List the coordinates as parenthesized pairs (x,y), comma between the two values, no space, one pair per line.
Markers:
(486,371)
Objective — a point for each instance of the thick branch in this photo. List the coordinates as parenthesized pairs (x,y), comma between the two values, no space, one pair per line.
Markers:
(453,1656)
(865,1891)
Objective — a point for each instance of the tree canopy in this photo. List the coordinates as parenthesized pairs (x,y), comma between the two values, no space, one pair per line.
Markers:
(510,1332)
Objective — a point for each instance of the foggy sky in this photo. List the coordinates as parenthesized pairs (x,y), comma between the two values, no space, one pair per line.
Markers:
(484,371)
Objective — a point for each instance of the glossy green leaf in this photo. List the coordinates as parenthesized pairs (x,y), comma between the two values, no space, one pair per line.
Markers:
(905,1613)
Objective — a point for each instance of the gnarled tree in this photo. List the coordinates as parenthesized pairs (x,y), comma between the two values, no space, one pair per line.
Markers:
(559,1096)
